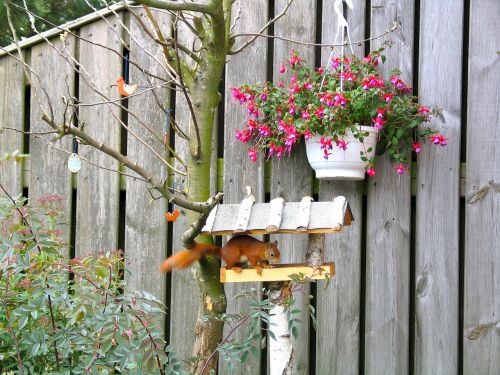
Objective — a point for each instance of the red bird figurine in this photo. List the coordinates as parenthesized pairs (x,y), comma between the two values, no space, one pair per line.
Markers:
(124,89)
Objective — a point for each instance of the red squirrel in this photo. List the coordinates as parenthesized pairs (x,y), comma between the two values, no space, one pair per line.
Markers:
(238,249)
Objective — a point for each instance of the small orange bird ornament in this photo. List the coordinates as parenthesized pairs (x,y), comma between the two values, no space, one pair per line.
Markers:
(173,215)
(124,89)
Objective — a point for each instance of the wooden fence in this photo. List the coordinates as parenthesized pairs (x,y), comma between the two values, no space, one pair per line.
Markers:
(417,289)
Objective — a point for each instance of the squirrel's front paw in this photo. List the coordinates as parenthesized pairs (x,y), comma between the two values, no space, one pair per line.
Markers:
(236,269)
(267,265)
(259,270)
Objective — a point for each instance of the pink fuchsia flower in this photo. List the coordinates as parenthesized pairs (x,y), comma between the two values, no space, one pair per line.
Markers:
(321,70)
(264,131)
(340,100)
(128,333)
(336,63)
(306,115)
(399,84)
(371,60)
(263,96)
(238,95)
(308,134)
(438,139)
(401,168)
(388,97)
(308,86)
(326,154)
(320,112)
(378,122)
(278,150)
(341,144)
(252,154)
(371,172)
(243,136)
(293,79)
(252,125)
(294,60)
(282,68)
(417,147)
(348,76)
(381,111)
(423,110)
(326,143)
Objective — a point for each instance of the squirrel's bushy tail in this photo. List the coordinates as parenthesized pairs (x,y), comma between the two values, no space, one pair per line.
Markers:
(187,257)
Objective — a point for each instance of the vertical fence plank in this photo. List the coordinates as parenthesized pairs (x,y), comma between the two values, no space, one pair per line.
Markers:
(48,165)
(146,240)
(338,307)
(11,116)
(388,220)
(239,171)
(98,189)
(481,336)
(437,206)
(292,177)
(185,292)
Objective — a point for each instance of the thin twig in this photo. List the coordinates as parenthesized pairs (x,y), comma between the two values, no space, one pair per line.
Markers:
(256,35)
(230,333)
(26,222)
(11,330)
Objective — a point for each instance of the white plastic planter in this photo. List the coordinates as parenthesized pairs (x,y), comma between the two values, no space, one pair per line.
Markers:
(342,164)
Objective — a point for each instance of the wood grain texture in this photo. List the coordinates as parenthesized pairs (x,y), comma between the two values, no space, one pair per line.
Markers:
(98,189)
(49,173)
(146,239)
(387,324)
(245,67)
(185,293)
(12,116)
(481,336)
(437,206)
(279,272)
(291,177)
(338,307)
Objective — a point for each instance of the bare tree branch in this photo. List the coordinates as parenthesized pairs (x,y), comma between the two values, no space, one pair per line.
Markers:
(394,26)
(179,6)
(65,129)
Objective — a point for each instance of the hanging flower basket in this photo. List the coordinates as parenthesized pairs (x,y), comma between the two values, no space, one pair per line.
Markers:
(342,163)
(325,107)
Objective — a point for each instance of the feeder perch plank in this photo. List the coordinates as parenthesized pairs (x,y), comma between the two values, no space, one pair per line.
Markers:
(324,217)
(279,272)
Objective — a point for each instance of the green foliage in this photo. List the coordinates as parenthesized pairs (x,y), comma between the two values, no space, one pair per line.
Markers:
(62,316)
(56,12)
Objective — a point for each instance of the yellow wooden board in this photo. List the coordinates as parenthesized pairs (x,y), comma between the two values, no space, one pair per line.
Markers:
(279,272)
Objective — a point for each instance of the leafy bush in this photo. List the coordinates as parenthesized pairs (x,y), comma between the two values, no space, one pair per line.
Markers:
(62,316)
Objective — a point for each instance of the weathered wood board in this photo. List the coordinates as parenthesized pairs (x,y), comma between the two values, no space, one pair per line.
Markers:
(146,240)
(481,334)
(184,289)
(437,239)
(291,177)
(278,272)
(11,116)
(387,326)
(244,67)
(48,172)
(98,189)
(338,307)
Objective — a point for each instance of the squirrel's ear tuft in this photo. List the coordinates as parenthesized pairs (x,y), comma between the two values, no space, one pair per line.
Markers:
(275,243)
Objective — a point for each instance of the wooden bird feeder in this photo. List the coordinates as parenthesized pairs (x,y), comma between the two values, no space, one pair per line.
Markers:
(276,217)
